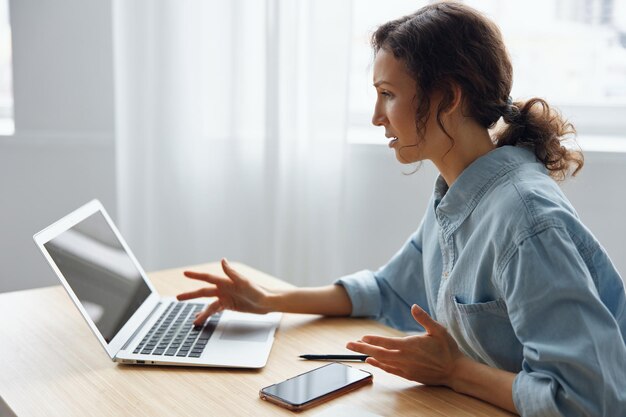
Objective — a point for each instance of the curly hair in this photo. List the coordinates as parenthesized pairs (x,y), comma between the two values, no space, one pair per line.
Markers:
(446,44)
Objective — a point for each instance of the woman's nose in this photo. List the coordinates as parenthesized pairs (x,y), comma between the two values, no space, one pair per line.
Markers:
(378,118)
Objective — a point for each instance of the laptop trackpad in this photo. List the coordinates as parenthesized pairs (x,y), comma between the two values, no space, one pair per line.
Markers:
(248,331)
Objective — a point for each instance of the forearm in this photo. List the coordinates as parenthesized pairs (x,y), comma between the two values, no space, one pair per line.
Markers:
(482,381)
(331,300)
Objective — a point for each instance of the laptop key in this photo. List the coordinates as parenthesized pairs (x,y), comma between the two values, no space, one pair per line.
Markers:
(208,330)
(175,334)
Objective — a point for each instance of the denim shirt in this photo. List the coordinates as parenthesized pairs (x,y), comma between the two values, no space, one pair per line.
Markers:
(502,260)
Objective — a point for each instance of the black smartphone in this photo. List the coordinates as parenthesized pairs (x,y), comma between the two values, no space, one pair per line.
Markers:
(314,387)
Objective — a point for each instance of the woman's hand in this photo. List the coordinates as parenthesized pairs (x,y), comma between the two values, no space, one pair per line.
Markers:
(429,359)
(233,292)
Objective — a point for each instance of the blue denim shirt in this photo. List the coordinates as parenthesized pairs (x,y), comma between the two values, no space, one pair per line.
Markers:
(502,260)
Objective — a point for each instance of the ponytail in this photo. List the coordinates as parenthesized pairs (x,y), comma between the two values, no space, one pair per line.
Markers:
(538,127)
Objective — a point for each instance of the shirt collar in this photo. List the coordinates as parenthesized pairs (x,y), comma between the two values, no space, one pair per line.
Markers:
(453,204)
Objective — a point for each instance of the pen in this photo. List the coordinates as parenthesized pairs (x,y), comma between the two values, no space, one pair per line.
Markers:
(335,357)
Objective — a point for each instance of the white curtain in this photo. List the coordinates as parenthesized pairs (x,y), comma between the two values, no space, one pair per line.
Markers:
(231,123)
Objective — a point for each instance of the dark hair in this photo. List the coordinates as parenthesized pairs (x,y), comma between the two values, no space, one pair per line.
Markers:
(446,44)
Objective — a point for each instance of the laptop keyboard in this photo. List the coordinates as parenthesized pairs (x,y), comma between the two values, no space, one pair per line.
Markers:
(175,335)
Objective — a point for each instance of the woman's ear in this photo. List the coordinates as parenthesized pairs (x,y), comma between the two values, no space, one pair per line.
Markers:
(455,95)
(448,100)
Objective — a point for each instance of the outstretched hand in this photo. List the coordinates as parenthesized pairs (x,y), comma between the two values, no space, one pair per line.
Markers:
(233,292)
(429,359)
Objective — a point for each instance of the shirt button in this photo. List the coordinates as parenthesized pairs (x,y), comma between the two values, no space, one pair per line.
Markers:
(445,274)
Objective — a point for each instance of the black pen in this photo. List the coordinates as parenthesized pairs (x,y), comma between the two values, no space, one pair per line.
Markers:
(335,357)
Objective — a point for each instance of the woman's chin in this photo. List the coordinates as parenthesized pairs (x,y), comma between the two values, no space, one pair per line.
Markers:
(405,158)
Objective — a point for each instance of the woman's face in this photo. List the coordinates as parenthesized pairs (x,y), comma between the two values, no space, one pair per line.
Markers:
(396,106)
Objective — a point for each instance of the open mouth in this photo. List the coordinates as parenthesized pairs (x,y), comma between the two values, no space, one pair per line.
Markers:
(392,142)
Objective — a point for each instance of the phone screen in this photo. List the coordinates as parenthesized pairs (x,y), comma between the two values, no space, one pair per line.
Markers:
(321,381)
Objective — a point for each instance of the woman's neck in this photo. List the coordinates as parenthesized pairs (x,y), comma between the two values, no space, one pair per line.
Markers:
(470,143)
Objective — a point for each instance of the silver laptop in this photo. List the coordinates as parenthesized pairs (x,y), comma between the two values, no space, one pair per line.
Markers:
(132,322)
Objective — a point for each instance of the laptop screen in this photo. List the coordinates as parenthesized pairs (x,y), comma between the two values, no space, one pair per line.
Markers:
(100,272)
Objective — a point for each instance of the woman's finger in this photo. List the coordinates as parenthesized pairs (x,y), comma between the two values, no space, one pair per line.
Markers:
(375,351)
(232,274)
(386,342)
(211,309)
(427,322)
(202,292)
(387,368)
(210,278)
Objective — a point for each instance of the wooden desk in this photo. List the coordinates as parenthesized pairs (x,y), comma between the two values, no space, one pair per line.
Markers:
(51,364)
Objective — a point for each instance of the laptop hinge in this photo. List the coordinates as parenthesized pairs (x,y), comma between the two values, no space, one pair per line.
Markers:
(132,337)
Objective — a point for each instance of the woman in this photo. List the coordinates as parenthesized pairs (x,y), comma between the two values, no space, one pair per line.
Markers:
(520,304)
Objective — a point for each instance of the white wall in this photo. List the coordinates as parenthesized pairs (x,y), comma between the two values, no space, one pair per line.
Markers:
(62,154)
(598,194)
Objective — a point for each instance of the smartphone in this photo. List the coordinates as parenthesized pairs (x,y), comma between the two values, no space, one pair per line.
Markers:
(314,387)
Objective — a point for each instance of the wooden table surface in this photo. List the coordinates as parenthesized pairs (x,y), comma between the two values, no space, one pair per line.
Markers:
(52,365)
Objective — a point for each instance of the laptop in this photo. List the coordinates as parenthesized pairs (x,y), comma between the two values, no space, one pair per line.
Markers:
(132,322)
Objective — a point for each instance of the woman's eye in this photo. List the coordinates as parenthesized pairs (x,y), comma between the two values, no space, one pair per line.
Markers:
(385,94)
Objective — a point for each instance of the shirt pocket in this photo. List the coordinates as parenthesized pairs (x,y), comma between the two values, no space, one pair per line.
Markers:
(488,331)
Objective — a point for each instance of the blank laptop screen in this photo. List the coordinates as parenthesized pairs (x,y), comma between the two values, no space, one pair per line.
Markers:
(100,273)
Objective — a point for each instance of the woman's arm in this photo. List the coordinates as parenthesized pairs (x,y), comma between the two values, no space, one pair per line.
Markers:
(574,353)
(236,292)
(330,300)
(363,294)
(567,320)
(435,359)
(482,381)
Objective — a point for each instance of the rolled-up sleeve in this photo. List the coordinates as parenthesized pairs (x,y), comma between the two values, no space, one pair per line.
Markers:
(533,394)
(364,293)
(574,360)
(387,294)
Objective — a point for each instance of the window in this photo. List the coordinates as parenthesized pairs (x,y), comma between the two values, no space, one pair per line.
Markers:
(570,52)
(6,73)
